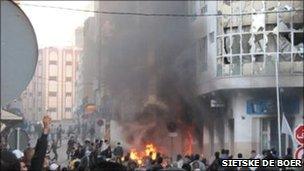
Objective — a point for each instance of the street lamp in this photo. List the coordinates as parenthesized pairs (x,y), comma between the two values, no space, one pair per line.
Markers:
(278,101)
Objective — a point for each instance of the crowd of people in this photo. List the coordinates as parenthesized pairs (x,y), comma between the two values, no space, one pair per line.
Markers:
(97,154)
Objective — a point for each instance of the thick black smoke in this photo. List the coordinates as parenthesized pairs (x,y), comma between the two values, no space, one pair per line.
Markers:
(149,69)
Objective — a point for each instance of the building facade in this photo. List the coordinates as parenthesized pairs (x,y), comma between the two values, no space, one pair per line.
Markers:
(52,89)
(236,62)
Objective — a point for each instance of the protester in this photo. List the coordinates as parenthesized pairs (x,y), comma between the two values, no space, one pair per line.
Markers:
(41,146)
(97,155)
(118,152)
(253,154)
(158,165)
(59,134)
(201,165)
(216,164)
(70,147)
(54,148)
(179,161)
(106,149)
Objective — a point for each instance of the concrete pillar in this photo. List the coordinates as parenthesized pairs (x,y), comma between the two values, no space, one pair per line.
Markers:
(242,125)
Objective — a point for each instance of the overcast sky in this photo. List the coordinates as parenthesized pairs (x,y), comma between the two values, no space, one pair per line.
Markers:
(55,27)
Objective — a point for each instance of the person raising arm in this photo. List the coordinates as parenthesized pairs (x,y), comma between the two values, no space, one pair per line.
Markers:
(41,146)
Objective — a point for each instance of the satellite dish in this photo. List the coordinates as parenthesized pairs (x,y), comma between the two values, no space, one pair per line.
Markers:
(19,51)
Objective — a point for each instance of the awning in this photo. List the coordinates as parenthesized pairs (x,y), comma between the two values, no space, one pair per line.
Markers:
(5,115)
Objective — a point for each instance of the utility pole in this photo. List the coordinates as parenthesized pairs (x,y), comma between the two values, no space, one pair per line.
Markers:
(278,99)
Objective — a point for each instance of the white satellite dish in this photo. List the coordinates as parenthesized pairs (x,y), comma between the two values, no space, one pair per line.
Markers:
(19,51)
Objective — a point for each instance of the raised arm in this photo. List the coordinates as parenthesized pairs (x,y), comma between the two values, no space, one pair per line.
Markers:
(41,146)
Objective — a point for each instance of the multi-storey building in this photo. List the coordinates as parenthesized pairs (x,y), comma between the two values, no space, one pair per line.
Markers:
(236,61)
(52,87)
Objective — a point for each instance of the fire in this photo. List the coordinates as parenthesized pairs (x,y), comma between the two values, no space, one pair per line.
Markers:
(189,142)
(151,149)
(139,156)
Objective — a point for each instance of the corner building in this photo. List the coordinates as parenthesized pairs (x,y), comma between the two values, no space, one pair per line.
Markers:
(236,55)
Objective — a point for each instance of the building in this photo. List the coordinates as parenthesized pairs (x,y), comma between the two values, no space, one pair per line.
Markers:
(79,37)
(236,57)
(52,89)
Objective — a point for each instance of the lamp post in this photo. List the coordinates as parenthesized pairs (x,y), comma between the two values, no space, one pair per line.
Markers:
(278,102)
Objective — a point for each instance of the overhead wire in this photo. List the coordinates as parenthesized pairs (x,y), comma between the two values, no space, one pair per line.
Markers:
(160,14)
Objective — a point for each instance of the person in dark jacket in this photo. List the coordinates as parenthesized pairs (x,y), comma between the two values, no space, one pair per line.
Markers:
(118,152)
(106,149)
(41,146)
(216,164)
(158,166)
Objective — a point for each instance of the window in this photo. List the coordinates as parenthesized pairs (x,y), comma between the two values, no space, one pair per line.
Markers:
(53,94)
(68,109)
(68,87)
(53,62)
(53,70)
(219,67)
(68,57)
(270,64)
(53,78)
(247,65)
(52,109)
(68,94)
(226,66)
(68,62)
(53,56)
(235,65)
(52,101)
(285,63)
(68,101)
(258,67)
(236,44)
(69,71)
(39,93)
(53,86)
(68,78)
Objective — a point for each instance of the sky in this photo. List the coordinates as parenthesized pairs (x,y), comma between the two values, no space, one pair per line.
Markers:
(56,27)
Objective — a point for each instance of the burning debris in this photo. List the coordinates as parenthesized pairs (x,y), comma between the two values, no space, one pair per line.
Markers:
(139,156)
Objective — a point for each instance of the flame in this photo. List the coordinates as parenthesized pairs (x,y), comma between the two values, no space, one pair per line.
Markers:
(150,148)
(139,156)
(189,142)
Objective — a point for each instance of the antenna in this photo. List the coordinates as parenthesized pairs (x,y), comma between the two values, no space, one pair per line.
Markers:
(19,51)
